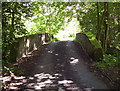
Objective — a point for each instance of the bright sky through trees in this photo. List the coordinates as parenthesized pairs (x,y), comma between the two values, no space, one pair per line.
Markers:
(70,30)
(68,33)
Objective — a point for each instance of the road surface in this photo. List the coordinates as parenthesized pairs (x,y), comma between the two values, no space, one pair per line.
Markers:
(61,66)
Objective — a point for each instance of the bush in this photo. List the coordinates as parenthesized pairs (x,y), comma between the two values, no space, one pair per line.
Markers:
(108,61)
(94,41)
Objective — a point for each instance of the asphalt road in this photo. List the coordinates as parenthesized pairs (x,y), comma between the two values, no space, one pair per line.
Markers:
(61,66)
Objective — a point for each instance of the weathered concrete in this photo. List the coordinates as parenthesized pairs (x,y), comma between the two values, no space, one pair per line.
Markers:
(32,42)
(86,44)
(94,53)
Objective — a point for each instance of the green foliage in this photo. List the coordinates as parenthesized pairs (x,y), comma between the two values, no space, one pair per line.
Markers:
(87,17)
(108,61)
(54,39)
(13,14)
(49,16)
(114,22)
(6,62)
(93,40)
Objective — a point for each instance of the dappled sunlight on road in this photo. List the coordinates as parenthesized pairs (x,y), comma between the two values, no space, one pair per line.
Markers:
(40,81)
(59,67)
(50,51)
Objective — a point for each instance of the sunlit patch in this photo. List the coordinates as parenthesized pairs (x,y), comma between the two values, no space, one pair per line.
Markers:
(17,78)
(57,74)
(31,78)
(24,56)
(67,85)
(47,75)
(73,88)
(56,54)
(7,78)
(63,70)
(28,43)
(72,58)
(42,81)
(65,81)
(51,77)
(50,51)
(41,76)
(74,61)
(14,88)
(37,75)
(40,85)
(44,77)
(38,80)
(24,80)
(48,81)
(37,87)
(14,84)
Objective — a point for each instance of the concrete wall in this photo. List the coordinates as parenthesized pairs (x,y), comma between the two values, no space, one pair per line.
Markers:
(27,44)
(95,53)
(86,44)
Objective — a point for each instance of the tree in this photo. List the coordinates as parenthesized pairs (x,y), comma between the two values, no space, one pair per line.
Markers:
(50,17)
(106,25)
(98,23)
(13,24)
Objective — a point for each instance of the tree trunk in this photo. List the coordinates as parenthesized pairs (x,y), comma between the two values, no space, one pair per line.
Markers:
(106,25)
(118,23)
(12,22)
(98,23)
(12,36)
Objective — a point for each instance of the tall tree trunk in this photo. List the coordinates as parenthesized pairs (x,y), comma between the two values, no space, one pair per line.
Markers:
(106,25)
(98,23)
(12,22)
(118,23)
(118,16)
(12,36)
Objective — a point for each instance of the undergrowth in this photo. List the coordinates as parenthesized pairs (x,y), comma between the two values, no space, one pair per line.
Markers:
(108,61)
